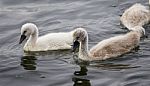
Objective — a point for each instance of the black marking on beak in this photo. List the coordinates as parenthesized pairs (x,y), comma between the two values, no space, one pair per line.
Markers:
(75,46)
(22,38)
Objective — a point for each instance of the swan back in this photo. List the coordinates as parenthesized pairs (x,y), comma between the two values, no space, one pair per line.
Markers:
(118,45)
(115,46)
(136,15)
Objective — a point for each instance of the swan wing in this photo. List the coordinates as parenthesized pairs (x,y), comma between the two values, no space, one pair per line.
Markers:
(115,46)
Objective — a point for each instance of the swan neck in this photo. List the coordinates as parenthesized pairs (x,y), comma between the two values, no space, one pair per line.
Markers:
(33,38)
(83,49)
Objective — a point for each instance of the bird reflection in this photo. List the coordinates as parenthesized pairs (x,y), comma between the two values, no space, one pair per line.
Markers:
(28,62)
(79,78)
(82,72)
(81,82)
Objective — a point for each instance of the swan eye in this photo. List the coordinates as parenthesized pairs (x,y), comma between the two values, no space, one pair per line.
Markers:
(77,38)
(24,32)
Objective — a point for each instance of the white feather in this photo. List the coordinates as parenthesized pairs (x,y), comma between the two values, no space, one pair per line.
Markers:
(51,41)
(136,15)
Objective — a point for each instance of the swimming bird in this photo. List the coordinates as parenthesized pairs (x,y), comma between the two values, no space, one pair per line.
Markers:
(51,41)
(136,15)
(108,48)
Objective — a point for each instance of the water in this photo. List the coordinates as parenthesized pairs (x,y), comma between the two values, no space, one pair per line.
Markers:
(58,68)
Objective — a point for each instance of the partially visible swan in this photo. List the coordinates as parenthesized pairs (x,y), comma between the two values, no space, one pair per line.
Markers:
(108,48)
(136,15)
(51,41)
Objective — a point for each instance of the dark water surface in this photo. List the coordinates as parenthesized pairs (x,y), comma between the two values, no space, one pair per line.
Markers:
(58,68)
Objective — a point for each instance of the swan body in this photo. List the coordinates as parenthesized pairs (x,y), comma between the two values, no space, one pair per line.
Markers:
(108,48)
(136,15)
(51,41)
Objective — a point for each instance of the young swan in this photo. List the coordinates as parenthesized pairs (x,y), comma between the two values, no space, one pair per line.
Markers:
(136,15)
(108,48)
(51,41)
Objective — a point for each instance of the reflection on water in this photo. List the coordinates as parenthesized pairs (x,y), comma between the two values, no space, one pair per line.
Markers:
(101,19)
(81,82)
(113,66)
(82,72)
(43,53)
(80,79)
(28,62)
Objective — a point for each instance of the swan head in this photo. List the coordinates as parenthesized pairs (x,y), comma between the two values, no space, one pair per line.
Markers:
(79,35)
(27,30)
(139,29)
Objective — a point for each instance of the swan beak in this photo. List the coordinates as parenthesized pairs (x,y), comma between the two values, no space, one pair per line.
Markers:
(22,38)
(75,46)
